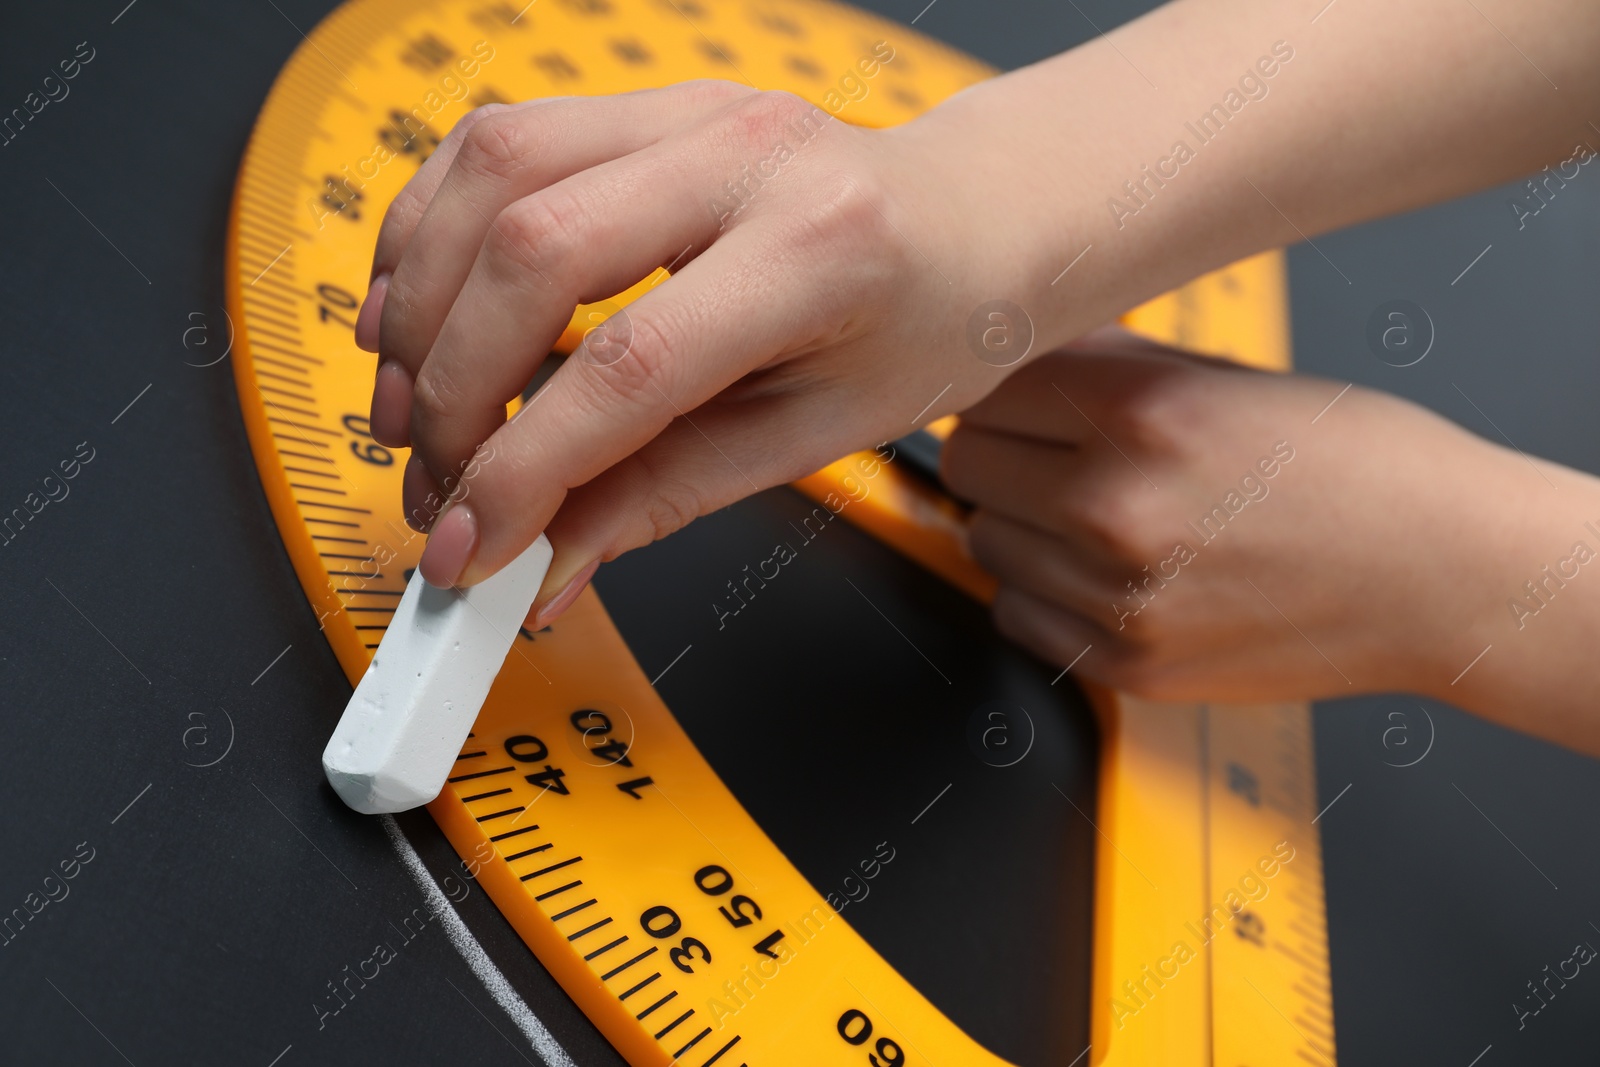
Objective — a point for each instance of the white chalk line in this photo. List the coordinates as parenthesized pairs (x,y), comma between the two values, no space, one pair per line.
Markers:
(510,1001)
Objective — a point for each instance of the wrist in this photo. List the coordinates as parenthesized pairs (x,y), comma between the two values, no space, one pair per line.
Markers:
(1059,183)
(1523,653)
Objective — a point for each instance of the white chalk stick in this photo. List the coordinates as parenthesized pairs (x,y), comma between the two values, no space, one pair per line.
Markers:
(412,710)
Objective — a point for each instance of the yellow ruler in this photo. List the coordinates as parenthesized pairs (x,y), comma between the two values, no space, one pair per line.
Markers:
(604,837)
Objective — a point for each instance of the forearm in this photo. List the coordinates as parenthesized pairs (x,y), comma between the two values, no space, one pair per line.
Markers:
(1529,655)
(1167,148)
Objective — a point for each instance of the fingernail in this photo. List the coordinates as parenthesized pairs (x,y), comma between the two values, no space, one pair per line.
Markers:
(416,487)
(371,312)
(564,599)
(450,547)
(390,416)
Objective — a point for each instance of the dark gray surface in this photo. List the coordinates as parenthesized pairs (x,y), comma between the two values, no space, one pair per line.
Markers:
(221,901)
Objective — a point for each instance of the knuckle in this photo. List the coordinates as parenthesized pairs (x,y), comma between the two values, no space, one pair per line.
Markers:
(848,204)
(534,231)
(714,91)
(405,211)
(847,218)
(403,309)
(477,115)
(468,122)
(1118,517)
(671,505)
(1157,414)
(832,219)
(760,117)
(637,377)
(432,399)
(495,147)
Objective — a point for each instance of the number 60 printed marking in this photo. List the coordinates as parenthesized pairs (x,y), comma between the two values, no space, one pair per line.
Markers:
(856,1029)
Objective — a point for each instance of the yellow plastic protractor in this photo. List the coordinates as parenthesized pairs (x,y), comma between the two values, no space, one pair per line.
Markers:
(597,828)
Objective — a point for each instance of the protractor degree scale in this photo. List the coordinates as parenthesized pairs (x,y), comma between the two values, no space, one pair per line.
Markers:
(580,803)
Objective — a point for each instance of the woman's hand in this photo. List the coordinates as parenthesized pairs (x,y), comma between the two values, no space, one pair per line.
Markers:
(826,276)
(1194,530)
(822,276)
